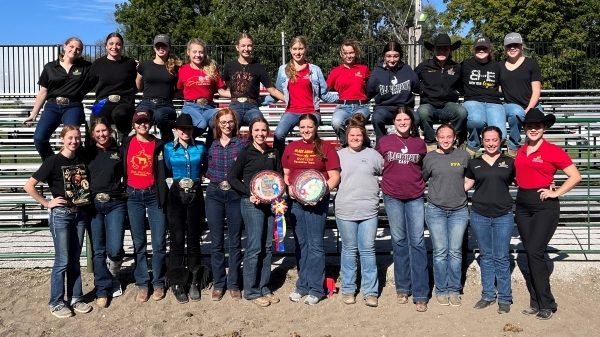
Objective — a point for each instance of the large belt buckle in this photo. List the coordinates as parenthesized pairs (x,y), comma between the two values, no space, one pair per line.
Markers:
(62,100)
(103,197)
(242,99)
(202,101)
(224,185)
(186,184)
(114,98)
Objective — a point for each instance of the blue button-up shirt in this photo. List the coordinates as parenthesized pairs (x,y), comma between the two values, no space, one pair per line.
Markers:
(185,162)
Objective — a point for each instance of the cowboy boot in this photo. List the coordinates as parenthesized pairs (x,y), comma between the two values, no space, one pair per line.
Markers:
(194,291)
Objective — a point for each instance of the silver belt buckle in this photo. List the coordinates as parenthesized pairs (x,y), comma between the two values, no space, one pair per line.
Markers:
(224,185)
(186,184)
(103,197)
(62,100)
(242,99)
(202,101)
(114,98)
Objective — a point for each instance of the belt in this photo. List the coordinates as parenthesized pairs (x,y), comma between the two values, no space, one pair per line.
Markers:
(187,184)
(60,100)
(157,100)
(114,98)
(244,99)
(202,102)
(223,185)
(105,197)
(346,101)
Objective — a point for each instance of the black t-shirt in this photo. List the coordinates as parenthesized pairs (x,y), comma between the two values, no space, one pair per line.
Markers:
(516,84)
(115,77)
(245,79)
(491,197)
(74,84)
(481,81)
(67,178)
(106,169)
(158,81)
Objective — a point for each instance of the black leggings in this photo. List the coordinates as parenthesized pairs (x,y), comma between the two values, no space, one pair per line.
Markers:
(537,221)
(118,113)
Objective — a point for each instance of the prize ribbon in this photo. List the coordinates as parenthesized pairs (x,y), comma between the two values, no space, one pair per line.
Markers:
(279,207)
(98,106)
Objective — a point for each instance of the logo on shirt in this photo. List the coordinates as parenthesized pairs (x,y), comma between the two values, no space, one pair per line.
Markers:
(538,159)
(455,164)
(115,156)
(503,164)
(451,71)
(358,74)
(76,71)
(140,161)
(271,155)
(364,161)
(403,158)
(395,88)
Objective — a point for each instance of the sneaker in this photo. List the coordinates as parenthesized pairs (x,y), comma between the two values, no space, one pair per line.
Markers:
(503,308)
(142,295)
(431,147)
(116,289)
(349,298)
(402,298)
(311,300)
(61,311)
(421,306)
(455,300)
(261,302)
(531,311)
(442,300)
(483,304)
(102,302)
(272,298)
(295,296)
(159,294)
(544,314)
(371,301)
(82,307)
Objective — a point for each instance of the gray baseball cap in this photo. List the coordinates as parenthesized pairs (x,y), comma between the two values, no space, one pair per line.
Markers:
(162,38)
(511,38)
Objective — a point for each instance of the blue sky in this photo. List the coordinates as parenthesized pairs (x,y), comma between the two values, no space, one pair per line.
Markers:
(50,22)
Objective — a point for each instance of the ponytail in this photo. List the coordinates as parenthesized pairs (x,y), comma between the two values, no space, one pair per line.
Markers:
(318,150)
(173,63)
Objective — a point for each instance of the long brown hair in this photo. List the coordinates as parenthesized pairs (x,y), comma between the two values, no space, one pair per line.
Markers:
(66,129)
(290,70)
(221,113)
(413,131)
(208,65)
(173,63)
(254,121)
(61,57)
(318,150)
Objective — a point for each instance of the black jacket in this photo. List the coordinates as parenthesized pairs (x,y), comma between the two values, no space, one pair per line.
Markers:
(249,162)
(439,85)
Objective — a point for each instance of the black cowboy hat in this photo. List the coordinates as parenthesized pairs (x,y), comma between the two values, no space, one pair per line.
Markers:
(442,40)
(536,116)
(182,121)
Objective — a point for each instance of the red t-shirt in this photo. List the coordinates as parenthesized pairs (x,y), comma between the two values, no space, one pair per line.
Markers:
(196,84)
(537,170)
(301,94)
(299,156)
(139,164)
(350,82)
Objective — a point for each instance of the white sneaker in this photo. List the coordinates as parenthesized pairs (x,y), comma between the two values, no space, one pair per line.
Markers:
(116,288)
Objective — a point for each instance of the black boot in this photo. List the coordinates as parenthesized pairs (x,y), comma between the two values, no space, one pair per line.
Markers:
(179,292)
(177,278)
(194,291)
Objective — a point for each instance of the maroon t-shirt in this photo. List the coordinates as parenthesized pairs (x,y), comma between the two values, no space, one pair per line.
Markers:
(402,176)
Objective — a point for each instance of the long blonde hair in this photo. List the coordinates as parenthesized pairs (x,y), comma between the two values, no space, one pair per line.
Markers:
(208,65)
(290,70)
(64,132)
(61,56)
(173,63)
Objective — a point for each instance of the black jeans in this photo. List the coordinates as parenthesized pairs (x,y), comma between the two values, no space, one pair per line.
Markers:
(119,113)
(185,213)
(537,221)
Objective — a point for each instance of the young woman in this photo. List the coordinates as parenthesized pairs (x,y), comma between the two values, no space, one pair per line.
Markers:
(223,202)
(308,221)
(521,82)
(356,211)
(481,82)
(350,81)
(200,80)
(303,87)
(492,218)
(258,218)
(63,84)
(114,77)
(538,208)
(186,161)
(107,214)
(244,77)
(144,168)
(446,213)
(392,84)
(403,188)
(67,222)
(157,79)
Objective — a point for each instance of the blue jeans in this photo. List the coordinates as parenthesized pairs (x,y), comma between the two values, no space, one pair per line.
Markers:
(138,203)
(202,116)
(220,205)
(452,113)
(382,117)
(513,111)
(108,231)
(493,237)
(446,229)
(341,116)
(407,226)
(286,124)
(68,230)
(257,258)
(54,114)
(480,115)
(358,237)
(308,224)
(245,111)
(162,112)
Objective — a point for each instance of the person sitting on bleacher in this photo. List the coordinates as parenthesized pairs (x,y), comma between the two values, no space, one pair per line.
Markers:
(63,84)
(440,83)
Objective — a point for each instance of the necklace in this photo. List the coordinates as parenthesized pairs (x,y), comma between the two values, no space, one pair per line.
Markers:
(405,148)
(142,146)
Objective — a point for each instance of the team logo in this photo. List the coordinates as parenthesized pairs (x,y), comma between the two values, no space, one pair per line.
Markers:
(451,71)
(455,164)
(115,156)
(538,159)
(503,164)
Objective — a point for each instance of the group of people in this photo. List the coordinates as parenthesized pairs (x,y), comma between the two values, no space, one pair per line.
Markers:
(130,177)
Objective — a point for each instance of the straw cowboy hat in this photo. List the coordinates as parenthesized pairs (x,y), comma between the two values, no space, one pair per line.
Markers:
(442,40)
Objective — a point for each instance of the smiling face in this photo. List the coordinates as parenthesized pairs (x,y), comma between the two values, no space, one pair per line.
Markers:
(245,47)
(227,124)
(196,54)
(482,53)
(445,138)
(71,140)
(142,126)
(491,142)
(260,131)
(402,123)
(161,49)
(348,54)
(298,51)
(308,130)
(73,49)
(101,134)
(391,58)
(114,46)
(355,139)
(513,50)
(442,53)
(184,133)
(534,131)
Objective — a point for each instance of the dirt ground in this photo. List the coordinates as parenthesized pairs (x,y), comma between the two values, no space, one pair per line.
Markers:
(24,311)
